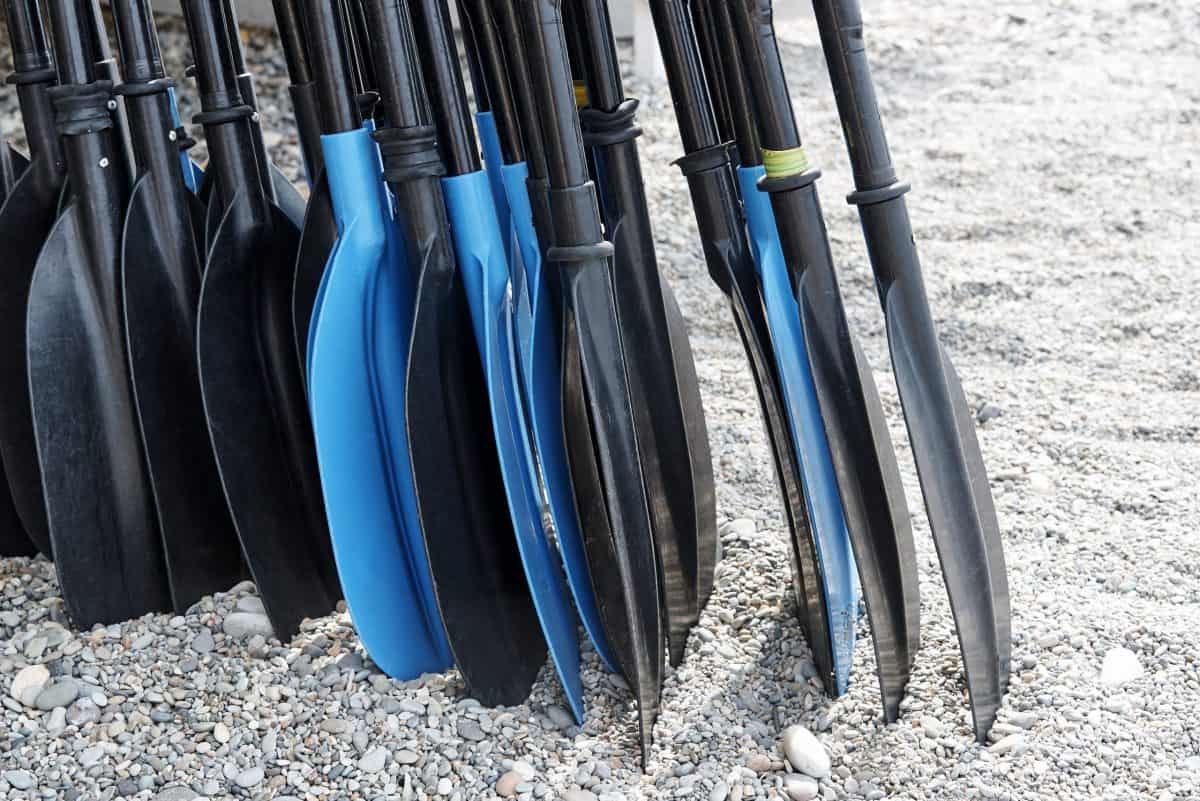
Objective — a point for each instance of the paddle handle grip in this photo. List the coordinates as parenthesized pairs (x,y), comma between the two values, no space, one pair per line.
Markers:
(841,27)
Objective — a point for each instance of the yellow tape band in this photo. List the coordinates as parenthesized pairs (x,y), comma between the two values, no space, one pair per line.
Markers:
(581,95)
(785,163)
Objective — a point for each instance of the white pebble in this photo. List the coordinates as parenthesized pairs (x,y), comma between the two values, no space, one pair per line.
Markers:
(1120,667)
(805,752)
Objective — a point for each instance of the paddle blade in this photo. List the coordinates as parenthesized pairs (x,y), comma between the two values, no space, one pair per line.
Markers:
(25,221)
(161,276)
(288,198)
(12,165)
(99,507)
(258,418)
(957,499)
(316,244)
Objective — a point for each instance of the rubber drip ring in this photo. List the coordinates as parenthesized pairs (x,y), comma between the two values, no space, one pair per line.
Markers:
(870,197)
(23,77)
(82,108)
(601,128)
(409,153)
(143,88)
(578,253)
(367,102)
(223,115)
(709,158)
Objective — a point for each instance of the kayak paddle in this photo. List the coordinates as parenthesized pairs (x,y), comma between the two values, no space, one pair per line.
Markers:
(475,564)
(675,458)
(821,497)
(605,454)
(98,500)
(855,429)
(253,393)
(485,273)
(732,267)
(302,89)
(958,499)
(160,273)
(25,219)
(359,347)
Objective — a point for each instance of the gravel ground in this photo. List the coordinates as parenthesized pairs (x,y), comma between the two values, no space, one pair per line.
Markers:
(1051,147)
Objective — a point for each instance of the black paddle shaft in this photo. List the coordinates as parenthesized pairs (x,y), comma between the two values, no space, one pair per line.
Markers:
(673,448)
(731,266)
(302,90)
(490,77)
(593,348)
(448,94)
(958,498)
(332,65)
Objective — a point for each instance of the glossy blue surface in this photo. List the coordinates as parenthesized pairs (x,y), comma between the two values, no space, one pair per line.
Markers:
(484,268)
(358,352)
(838,571)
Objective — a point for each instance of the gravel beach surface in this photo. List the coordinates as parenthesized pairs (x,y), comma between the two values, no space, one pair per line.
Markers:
(1052,151)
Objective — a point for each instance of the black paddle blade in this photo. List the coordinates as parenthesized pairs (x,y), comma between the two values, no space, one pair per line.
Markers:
(868,479)
(258,418)
(958,499)
(288,198)
(13,539)
(98,501)
(25,221)
(161,277)
(703,482)
(490,620)
(316,244)
(591,337)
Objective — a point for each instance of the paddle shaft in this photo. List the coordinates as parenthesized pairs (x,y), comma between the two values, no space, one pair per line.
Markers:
(332,65)
(33,73)
(303,91)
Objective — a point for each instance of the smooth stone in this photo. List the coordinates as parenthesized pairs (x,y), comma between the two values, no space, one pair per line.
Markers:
(1007,744)
(176,793)
(28,683)
(560,717)
(243,625)
(1120,667)
(373,761)
(579,795)
(800,788)
(252,604)
(469,730)
(805,752)
(525,769)
(19,779)
(250,777)
(221,733)
(445,786)
(506,787)
(1023,720)
(406,757)
(203,642)
(334,726)
(60,693)
(720,792)
(141,642)
(57,722)
(83,712)
(90,756)
(759,763)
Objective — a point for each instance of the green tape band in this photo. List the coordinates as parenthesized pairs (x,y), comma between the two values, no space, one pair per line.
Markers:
(785,163)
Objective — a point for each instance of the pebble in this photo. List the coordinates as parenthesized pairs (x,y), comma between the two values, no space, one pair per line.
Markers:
(252,604)
(805,752)
(560,717)
(221,733)
(444,786)
(374,760)
(60,693)
(251,777)
(1121,666)
(720,792)
(1007,744)
(406,757)
(801,788)
(28,683)
(506,787)
(56,724)
(203,643)
(579,795)
(759,763)
(243,625)
(469,730)
(19,779)
(83,712)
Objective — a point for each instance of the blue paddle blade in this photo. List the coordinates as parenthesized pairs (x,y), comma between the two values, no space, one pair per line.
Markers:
(484,269)
(493,164)
(191,170)
(539,359)
(838,572)
(358,353)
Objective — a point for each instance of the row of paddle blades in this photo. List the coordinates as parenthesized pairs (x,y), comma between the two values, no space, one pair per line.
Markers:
(458,392)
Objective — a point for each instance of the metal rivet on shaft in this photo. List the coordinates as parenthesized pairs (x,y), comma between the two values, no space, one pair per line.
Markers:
(112,105)
(104,161)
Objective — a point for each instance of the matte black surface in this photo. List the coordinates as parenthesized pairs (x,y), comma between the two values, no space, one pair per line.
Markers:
(958,499)
(731,266)
(99,506)
(25,221)
(490,619)
(160,271)
(305,105)
(252,388)
(676,464)
(864,462)
(591,338)
(316,243)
